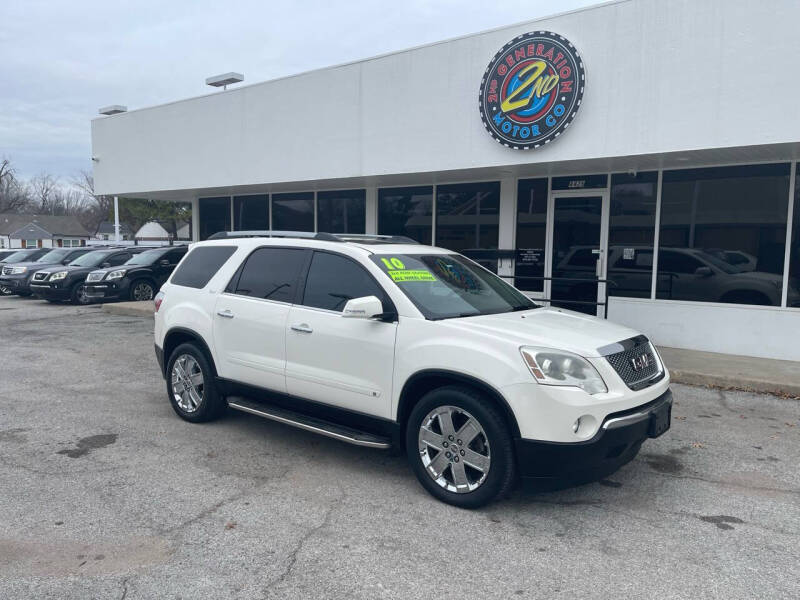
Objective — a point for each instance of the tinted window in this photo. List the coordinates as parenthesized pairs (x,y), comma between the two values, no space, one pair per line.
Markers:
(148,257)
(119,259)
(342,211)
(293,212)
(175,256)
(201,265)
(54,256)
(250,213)
(406,211)
(632,226)
(271,273)
(333,280)
(467,218)
(793,298)
(531,232)
(733,220)
(214,215)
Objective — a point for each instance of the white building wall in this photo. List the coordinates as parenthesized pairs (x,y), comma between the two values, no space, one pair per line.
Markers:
(661,77)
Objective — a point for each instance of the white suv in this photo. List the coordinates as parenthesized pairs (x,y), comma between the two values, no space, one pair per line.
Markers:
(382,342)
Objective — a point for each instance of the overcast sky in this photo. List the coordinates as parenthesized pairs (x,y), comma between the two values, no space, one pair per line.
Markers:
(62,60)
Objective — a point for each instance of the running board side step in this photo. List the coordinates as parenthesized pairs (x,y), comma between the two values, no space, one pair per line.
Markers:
(301,421)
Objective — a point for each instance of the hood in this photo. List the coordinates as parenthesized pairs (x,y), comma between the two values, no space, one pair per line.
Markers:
(548,327)
(32,265)
(57,268)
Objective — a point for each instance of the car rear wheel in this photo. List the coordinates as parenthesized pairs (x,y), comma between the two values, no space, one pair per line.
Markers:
(191,387)
(459,447)
(142,290)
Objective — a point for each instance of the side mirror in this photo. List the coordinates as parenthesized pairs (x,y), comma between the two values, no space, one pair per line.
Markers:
(367,307)
(164,262)
(703,272)
(105,265)
(66,261)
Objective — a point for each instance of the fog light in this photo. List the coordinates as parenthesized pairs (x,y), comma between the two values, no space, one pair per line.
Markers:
(576,425)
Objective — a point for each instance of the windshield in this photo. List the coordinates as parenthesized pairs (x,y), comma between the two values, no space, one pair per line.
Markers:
(54,256)
(90,259)
(444,286)
(148,257)
(17,256)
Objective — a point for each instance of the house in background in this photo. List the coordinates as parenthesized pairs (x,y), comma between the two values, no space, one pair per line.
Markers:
(105,232)
(41,231)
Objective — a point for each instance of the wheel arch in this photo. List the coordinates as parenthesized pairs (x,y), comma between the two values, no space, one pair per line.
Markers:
(426,380)
(180,335)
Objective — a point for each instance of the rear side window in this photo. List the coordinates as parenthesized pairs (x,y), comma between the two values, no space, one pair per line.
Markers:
(271,274)
(201,265)
(333,280)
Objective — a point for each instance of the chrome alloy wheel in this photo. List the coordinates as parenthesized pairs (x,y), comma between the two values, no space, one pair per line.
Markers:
(454,449)
(81,294)
(142,291)
(187,383)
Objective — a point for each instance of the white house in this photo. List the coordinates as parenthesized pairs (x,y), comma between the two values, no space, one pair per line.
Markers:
(41,231)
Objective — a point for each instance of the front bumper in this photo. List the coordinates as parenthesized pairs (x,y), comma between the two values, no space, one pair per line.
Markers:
(51,291)
(555,465)
(17,285)
(106,290)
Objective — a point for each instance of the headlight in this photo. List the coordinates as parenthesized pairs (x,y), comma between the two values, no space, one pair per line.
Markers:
(118,274)
(18,270)
(58,276)
(557,367)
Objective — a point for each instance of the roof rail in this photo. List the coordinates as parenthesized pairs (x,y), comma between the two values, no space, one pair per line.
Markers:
(322,236)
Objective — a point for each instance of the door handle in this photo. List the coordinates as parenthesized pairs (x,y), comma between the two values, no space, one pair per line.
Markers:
(225,313)
(302,328)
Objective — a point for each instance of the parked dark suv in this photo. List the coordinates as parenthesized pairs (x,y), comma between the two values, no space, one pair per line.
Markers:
(19,255)
(138,279)
(66,283)
(16,277)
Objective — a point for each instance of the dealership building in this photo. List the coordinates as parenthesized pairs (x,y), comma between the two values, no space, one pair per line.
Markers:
(636,158)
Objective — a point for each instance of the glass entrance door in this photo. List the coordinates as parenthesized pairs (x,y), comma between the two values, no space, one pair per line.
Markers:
(577,251)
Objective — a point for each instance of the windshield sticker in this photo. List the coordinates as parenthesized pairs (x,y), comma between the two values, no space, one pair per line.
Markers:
(399,276)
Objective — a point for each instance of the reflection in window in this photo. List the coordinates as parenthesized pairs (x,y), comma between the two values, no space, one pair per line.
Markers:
(215,215)
(251,213)
(342,211)
(467,218)
(793,297)
(293,212)
(632,226)
(406,211)
(531,234)
(723,234)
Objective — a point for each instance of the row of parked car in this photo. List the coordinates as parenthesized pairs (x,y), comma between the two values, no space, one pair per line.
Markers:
(87,274)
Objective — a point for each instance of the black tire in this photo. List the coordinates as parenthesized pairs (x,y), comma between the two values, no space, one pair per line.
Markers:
(212,405)
(141,282)
(78,296)
(500,476)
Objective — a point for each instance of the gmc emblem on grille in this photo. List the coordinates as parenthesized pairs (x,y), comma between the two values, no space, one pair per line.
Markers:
(640,362)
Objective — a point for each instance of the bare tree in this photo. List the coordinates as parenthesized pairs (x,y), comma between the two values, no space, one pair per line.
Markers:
(13,194)
(97,208)
(44,192)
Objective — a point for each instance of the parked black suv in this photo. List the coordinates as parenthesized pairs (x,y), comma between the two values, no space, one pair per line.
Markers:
(19,255)
(16,277)
(59,283)
(138,279)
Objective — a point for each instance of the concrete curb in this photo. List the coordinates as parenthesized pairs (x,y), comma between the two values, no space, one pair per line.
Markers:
(130,309)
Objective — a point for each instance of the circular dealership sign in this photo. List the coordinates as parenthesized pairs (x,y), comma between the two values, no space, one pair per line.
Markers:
(532,90)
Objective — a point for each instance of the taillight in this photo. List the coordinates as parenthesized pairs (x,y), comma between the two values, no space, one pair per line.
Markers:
(158,300)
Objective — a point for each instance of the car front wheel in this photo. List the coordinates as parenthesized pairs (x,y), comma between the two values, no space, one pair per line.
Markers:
(142,290)
(459,447)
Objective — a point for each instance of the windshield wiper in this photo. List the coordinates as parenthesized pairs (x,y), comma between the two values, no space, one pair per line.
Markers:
(519,308)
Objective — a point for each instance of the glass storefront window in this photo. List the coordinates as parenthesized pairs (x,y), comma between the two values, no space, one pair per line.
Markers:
(293,211)
(632,226)
(793,296)
(406,211)
(342,211)
(251,213)
(723,234)
(215,215)
(467,216)
(531,234)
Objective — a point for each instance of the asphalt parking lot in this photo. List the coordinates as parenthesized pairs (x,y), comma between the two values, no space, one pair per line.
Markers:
(105,493)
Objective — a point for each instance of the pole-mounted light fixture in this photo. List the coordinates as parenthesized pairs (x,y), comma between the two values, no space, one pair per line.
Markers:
(224,80)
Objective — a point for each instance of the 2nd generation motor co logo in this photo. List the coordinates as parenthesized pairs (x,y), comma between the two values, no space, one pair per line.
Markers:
(532,90)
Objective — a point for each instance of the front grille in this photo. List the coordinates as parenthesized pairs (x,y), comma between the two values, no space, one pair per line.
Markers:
(637,365)
(40,276)
(95,277)
(6,270)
